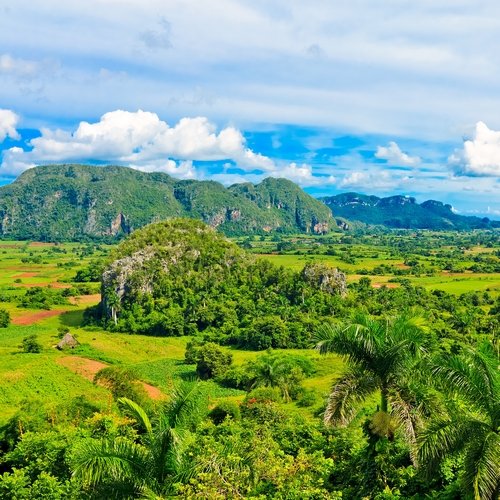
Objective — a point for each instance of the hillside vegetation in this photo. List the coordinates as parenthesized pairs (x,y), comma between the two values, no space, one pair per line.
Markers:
(81,202)
(180,277)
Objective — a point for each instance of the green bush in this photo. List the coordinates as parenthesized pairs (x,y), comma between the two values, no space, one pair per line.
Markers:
(307,398)
(264,395)
(223,410)
(30,344)
(212,361)
(4,318)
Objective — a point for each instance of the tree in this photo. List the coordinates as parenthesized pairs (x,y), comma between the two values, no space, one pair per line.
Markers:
(382,356)
(472,426)
(155,460)
(266,332)
(282,371)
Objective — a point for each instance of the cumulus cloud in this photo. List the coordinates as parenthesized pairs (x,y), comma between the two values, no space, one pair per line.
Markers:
(8,124)
(181,170)
(139,139)
(378,180)
(394,156)
(479,156)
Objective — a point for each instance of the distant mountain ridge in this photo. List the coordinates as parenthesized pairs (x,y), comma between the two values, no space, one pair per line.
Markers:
(78,202)
(403,212)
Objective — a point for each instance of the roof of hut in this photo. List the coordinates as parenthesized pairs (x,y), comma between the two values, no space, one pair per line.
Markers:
(68,341)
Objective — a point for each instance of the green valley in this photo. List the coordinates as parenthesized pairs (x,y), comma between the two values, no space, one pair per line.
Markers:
(212,339)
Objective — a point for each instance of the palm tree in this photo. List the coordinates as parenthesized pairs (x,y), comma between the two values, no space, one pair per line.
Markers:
(472,426)
(382,355)
(152,463)
(273,370)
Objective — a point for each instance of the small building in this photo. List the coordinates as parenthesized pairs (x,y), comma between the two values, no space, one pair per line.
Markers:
(67,342)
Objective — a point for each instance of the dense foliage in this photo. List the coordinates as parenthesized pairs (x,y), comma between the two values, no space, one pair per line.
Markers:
(181,278)
(400,400)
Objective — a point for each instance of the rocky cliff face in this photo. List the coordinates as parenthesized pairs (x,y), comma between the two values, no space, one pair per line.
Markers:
(78,202)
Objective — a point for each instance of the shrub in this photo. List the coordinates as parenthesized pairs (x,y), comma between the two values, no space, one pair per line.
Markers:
(237,377)
(30,344)
(212,361)
(4,318)
(307,398)
(264,395)
(122,383)
(223,410)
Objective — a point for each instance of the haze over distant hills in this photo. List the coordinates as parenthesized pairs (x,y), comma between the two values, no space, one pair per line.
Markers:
(403,212)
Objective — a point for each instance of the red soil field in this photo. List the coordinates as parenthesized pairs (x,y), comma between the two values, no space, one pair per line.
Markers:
(29,318)
(41,244)
(388,285)
(89,367)
(86,299)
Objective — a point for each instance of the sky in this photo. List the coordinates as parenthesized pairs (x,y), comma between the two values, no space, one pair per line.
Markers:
(378,97)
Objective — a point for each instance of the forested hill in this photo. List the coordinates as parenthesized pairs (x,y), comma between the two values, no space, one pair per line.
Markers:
(403,212)
(78,202)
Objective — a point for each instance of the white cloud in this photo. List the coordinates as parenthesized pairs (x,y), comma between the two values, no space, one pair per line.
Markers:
(394,156)
(17,67)
(181,170)
(301,175)
(139,139)
(8,124)
(373,181)
(479,156)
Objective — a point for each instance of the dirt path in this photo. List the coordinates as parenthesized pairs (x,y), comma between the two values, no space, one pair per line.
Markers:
(86,299)
(87,368)
(28,318)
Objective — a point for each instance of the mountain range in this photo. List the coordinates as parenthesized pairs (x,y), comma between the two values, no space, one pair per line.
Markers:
(403,212)
(79,202)
(82,202)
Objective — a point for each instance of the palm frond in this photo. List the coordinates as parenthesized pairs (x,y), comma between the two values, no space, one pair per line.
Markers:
(444,436)
(469,376)
(354,342)
(186,405)
(347,393)
(410,405)
(482,466)
(137,413)
(119,460)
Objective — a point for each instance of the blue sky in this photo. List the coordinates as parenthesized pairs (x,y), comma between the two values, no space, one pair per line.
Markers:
(392,97)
